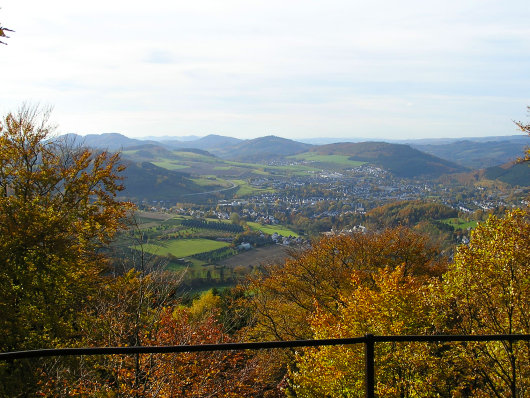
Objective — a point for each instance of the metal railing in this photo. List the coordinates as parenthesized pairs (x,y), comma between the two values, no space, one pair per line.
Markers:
(368,340)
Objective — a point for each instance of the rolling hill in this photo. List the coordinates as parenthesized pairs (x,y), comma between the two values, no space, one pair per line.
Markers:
(198,157)
(477,155)
(401,160)
(510,173)
(263,148)
(144,180)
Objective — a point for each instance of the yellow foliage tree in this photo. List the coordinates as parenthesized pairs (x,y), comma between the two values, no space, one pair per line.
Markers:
(485,291)
(57,207)
(287,295)
(395,305)
(489,287)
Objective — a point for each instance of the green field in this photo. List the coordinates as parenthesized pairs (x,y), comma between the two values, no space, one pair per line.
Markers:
(246,189)
(260,171)
(459,223)
(178,217)
(170,164)
(270,229)
(341,160)
(298,169)
(206,181)
(128,152)
(182,247)
(196,157)
(146,220)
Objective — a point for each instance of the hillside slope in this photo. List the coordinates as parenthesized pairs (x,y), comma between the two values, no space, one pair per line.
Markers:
(510,173)
(401,160)
(144,180)
(263,148)
(476,155)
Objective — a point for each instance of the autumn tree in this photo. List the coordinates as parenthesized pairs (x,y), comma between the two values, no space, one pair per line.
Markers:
(206,374)
(489,286)
(58,206)
(486,290)
(395,305)
(286,295)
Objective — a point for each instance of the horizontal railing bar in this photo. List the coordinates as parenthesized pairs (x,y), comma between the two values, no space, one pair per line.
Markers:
(447,337)
(177,348)
(250,346)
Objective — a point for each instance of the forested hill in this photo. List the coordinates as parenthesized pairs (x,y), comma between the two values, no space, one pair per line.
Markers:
(142,179)
(263,148)
(401,160)
(477,155)
(511,173)
(408,213)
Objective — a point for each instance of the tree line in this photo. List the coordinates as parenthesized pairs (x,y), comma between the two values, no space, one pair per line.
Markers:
(216,225)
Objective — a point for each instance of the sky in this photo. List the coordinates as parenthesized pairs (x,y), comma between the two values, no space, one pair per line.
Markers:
(296,69)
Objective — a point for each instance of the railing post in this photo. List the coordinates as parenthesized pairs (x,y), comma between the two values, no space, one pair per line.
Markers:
(369,371)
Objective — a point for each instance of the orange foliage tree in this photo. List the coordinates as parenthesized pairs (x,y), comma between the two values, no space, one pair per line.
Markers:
(286,295)
(138,311)
(395,305)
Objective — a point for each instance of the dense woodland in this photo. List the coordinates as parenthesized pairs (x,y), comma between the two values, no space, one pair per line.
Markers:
(59,209)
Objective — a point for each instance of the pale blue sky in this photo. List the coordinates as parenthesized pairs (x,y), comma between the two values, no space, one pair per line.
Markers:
(297,69)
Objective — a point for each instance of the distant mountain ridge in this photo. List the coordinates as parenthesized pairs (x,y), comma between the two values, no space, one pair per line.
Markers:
(477,154)
(516,138)
(400,159)
(110,141)
(211,143)
(227,147)
(472,152)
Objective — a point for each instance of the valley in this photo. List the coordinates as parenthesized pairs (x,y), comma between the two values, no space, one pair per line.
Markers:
(217,218)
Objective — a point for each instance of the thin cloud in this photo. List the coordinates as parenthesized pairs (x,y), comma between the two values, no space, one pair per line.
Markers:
(298,68)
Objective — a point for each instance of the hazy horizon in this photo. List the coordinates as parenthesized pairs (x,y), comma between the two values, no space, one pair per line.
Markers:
(298,70)
(316,140)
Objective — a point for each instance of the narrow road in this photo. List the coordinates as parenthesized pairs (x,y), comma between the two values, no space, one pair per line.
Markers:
(214,191)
